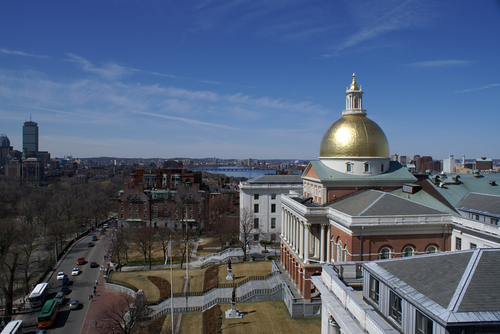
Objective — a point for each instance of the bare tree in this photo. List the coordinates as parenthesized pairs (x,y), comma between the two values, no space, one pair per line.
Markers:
(245,236)
(163,236)
(122,314)
(9,260)
(121,245)
(145,241)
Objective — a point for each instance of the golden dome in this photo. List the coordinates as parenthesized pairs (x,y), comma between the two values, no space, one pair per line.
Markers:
(354,136)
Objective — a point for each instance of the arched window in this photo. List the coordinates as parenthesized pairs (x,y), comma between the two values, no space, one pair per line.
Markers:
(349,167)
(367,167)
(431,249)
(385,253)
(356,102)
(339,250)
(346,253)
(407,251)
(382,168)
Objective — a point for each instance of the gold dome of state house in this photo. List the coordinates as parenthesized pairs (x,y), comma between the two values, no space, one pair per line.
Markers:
(354,136)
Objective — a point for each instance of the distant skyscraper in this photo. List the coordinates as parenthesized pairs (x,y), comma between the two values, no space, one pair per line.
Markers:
(449,164)
(30,137)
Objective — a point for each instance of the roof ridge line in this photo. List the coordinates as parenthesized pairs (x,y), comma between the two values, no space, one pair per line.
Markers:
(373,203)
(465,281)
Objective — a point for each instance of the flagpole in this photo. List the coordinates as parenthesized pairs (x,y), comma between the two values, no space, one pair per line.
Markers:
(187,247)
(171,284)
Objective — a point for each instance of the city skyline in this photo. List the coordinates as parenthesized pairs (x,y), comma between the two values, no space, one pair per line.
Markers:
(239,79)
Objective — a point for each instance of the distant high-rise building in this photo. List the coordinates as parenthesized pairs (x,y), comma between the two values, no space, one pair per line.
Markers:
(30,137)
(449,164)
(5,149)
(403,160)
(394,157)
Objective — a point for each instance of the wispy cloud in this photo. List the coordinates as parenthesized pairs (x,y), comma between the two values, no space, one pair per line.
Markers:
(440,63)
(378,18)
(187,120)
(478,88)
(21,53)
(109,70)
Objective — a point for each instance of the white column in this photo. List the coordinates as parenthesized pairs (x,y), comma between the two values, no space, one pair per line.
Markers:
(307,237)
(283,224)
(301,236)
(294,233)
(328,245)
(322,245)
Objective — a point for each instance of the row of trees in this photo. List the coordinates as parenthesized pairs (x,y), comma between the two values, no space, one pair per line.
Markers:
(37,222)
(152,243)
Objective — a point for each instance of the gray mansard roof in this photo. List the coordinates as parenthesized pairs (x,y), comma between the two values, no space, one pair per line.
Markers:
(480,203)
(378,203)
(455,287)
(277,179)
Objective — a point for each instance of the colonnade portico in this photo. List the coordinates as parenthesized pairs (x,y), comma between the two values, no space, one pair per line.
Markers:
(304,239)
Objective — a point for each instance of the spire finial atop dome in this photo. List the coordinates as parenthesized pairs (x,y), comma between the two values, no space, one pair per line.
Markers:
(354,85)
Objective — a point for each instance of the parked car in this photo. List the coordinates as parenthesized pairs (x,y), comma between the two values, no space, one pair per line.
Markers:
(90,244)
(80,260)
(60,275)
(65,280)
(65,289)
(60,297)
(94,238)
(93,265)
(74,304)
(75,272)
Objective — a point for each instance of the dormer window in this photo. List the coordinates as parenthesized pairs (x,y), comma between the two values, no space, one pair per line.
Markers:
(349,167)
(382,168)
(366,167)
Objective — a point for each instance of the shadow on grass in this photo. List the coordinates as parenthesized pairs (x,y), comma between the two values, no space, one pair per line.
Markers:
(237,324)
(248,312)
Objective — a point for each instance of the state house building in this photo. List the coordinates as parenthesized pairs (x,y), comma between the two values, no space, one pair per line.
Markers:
(345,211)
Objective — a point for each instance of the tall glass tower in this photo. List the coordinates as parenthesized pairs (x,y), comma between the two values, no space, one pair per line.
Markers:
(30,137)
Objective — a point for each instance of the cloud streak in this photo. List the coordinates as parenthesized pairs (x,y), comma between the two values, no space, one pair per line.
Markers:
(440,63)
(478,88)
(381,18)
(21,53)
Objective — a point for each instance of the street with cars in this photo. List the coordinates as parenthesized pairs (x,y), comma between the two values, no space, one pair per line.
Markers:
(71,284)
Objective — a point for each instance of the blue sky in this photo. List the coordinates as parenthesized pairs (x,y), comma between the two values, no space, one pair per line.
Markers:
(249,78)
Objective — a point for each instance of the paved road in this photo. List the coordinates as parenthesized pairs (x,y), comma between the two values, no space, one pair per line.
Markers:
(71,321)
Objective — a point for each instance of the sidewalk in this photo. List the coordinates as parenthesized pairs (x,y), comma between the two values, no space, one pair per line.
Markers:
(103,297)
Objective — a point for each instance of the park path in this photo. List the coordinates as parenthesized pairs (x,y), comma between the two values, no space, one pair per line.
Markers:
(102,297)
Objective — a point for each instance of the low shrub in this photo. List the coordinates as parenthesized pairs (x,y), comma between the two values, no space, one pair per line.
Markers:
(212,320)
(211,278)
(163,286)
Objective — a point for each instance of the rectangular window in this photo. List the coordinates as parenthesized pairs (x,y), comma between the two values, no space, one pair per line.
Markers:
(273,196)
(458,244)
(494,221)
(273,207)
(423,324)
(475,217)
(137,208)
(145,209)
(473,246)
(130,215)
(256,208)
(255,237)
(121,216)
(273,222)
(256,223)
(395,307)
(122,208)
(374,288)
(129,208)
(145,216)
(256,197)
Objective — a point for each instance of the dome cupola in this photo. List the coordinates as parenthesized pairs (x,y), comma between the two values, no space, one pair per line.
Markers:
(355,137)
